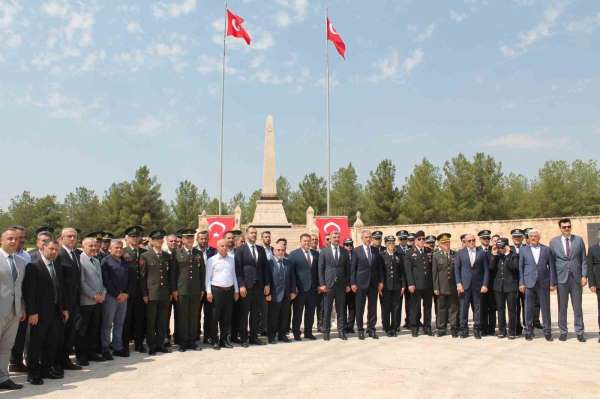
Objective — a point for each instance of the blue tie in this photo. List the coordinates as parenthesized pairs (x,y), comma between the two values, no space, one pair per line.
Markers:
(13,267)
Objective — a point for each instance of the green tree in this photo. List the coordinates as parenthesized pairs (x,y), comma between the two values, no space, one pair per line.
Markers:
(114,210)
(423,201)
(31,212)
(346,192)
(517,196)
(5,219)
(82,209)
(382,197)
(187,205)
(248,213)
(144,204)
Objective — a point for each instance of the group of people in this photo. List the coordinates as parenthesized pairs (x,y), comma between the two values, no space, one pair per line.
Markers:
(94,298)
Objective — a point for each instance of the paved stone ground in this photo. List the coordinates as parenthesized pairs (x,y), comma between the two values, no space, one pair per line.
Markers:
(389,367)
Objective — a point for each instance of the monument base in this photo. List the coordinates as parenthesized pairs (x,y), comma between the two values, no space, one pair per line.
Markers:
(270,213)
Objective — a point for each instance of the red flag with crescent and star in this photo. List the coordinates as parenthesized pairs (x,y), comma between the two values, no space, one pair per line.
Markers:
(217,227)
(337,40)
(329,224)
(235,28)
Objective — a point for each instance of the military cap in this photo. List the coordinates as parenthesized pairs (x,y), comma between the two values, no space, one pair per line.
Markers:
(348,241)
(484,234)
(95,234)
(44,229)
(410,237)
(186,232)
(516,233)
(107,236)
(236,233)
(402,234)
(390,238)
(157,234)
(502,242)
(526,231)
(444,238)
(17,227)
(377,235)
(134,231)
(419,233)
(430,239)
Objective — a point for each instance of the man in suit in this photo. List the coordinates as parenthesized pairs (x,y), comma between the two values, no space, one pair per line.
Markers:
(305,263)
(419,279)
(393,287)
(334,283)
(188,276)
(207,253)
(68,261)
(12,307)
(594,272)
(569,255)
(263,320)
(251,272)
(505,270)
(471,271)
(135,317)
(44,300)
(92,297)
(283,290)
(350,312)
(537,274)
(444,287)
(366,281)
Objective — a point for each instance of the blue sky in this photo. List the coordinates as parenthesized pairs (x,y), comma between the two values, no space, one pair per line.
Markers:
(90,90)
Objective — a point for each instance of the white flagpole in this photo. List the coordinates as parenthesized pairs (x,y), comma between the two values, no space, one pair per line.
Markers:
(222,112)
(328,122)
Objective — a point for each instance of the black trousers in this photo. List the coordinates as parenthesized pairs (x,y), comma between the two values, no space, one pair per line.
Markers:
(305,303)
(362,295)
(69,336)
(336,293)
(135,321)
(222,306)
(507,301)
(350,313)
(418,299)
(89,330)
(471,296)
(320,309)
(392,310)
(543,295)
(598,300)
(488,313)
(278,318)
(18,349)
(249,311)
(447,312)
(156,323)
(400,312)
(207,310)
(407,307)
(44,343)
(187,319)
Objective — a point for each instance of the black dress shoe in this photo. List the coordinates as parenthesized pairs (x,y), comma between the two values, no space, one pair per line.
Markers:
(94,357)
(10,385)
(549,337)
(342,336)
(464,334)
(440,333)
(82,361)
(271,340)
(226,344)
(310,336)
(414,332)
(361,335)
(236,340)
(350,331)
(121,353)
(107,356)
(35,380)
(529,337)
(216,346)
(562,337)
(477,334)
(181,348)
(52,374)
(193,347)
(17,368)
(511,337)
(284,338)
(389,333)
(257,341)
(373,335)
(297,337)
(429,332)
(326,336)
(141,349)
(245,344)
(163,349)
(581,338)
(69,365)
(501,335)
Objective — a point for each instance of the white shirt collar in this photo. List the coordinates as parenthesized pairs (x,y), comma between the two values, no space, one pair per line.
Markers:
(46,261)
(6,254)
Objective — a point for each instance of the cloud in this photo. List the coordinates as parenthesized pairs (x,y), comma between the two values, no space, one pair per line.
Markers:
(457,16)
(414,60)
(134,28)
(173,9)
(151,126)
(426,34)
(78,23)
(9,37)
(60,106)
(133,60)
(391,67)
(585,25)
(292,11)
(92,59)
(525,141)
(524,3)
(539,32)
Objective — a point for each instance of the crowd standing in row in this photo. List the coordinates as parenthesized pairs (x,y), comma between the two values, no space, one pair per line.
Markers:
(93,302)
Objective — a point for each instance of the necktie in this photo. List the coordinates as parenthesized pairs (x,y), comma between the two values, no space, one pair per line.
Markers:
(253,253)
(308,258)
(472,257)
(335,254)
(74,258)
(369,255)
(13,267)
(54,282)
(568,246)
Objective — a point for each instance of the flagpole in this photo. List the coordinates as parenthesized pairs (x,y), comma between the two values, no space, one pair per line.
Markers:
(327,117)
(222,111)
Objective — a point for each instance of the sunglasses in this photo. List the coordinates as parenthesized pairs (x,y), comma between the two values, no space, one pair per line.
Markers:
(420,239)
(566,227)
(470,240)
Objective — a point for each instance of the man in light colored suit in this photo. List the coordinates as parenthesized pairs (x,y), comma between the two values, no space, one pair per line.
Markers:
(12,306)
(568,253)
(537,276)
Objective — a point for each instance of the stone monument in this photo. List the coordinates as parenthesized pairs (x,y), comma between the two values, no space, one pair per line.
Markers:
(269,211)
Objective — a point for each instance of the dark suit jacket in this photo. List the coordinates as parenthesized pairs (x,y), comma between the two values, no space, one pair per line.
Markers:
(365,273)
(71,275)
(505,270)
(476,276)
(281,289)
(249,271)
(35,255)
(530,272)
(418,269)
(594,265)
(307,276)
(332,272)
(38,290)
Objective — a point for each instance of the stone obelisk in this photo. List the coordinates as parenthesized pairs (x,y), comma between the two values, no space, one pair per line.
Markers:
(269,209)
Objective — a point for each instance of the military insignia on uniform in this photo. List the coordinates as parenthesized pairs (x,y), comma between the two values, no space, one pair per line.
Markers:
(142,262)
(414,255)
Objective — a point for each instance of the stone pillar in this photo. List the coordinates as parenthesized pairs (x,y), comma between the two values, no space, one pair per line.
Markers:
(238,218)
(357,227)
(269,189)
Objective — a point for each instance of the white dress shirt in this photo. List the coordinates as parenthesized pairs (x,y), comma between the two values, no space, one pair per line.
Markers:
(535,250)
(220,272)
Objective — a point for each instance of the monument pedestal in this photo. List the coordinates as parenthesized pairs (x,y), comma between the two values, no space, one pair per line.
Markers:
(269,213)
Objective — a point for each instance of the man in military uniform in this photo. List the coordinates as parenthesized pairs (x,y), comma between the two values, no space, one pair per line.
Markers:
(376,239)
(393,287)
(517,237)
(488,305)
(103,239)
(207,253)
(188,276)
(155,266)
(420,284)
(402,249)
(350,314)
(135,320)
(505,269)
(430,242)
(444,287)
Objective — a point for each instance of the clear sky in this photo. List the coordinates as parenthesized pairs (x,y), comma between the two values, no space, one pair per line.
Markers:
(90,90)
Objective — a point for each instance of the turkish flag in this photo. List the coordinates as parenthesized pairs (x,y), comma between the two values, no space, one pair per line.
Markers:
(217,227)
(329,224)
(337,40)
(235,28)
